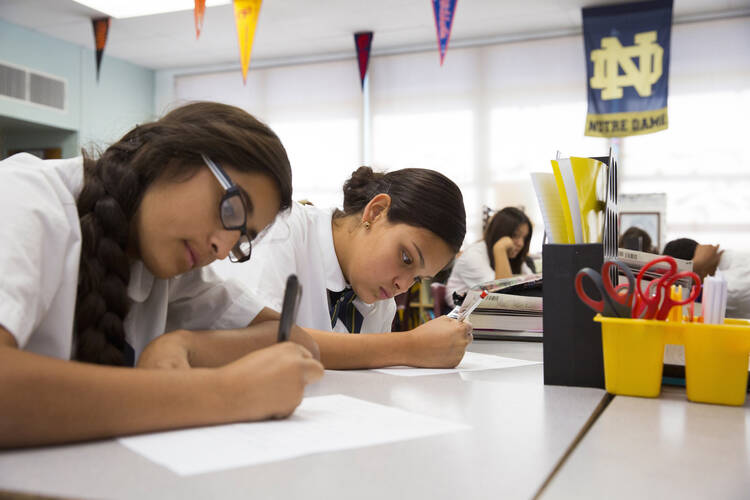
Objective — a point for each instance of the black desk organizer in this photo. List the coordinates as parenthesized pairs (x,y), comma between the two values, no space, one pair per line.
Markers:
(572,339)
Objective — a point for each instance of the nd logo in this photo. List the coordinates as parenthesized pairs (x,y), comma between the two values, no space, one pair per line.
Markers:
(613,55)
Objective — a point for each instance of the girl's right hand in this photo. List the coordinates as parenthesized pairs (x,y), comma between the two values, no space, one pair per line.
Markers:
(440,343)
(268,383)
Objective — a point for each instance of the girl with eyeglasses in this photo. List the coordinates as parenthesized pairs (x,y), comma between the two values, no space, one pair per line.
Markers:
(100,258)
(395,228)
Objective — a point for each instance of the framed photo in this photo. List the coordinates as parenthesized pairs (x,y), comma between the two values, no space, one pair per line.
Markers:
(648,221)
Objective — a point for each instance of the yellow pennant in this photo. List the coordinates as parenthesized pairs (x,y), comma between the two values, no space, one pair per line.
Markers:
(246,15)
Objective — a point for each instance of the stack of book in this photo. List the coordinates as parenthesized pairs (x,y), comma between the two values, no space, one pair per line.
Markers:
(512,310)
(637,260)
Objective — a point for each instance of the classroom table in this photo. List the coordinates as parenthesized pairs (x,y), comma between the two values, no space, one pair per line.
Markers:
(665,447)
(520,429)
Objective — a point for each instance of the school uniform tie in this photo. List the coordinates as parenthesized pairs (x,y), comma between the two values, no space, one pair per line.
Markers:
(128,354)
(341,306)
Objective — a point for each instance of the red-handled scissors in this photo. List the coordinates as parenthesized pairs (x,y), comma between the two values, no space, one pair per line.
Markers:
(656,301)
(615,300)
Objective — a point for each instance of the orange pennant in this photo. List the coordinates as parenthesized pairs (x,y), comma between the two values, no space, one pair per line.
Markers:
(200,11)
(101,29)
(246,16)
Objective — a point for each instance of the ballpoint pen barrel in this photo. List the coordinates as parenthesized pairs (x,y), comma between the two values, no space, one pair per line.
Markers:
(464,310)
(709,300)
(691,306)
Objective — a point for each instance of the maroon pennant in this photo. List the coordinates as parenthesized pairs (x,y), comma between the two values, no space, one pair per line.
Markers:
(363,41)
(101,29)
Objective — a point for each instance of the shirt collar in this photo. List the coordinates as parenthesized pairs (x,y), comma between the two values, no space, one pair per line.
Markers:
(141,282)
(334,276)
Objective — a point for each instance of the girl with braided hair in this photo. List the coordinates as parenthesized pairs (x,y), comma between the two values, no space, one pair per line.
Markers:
(395,228)
(101,258)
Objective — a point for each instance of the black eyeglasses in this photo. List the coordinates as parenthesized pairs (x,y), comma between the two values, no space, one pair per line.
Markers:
(233,212)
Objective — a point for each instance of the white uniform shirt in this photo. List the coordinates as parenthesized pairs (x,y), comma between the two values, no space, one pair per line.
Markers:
(39,256)
(735,269)
(301,242)
(472,267)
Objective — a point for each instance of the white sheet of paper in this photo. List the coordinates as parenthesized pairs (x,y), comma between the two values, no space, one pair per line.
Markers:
(472,361)
(320,424)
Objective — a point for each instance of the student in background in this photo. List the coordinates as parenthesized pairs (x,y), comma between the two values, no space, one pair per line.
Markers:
(501,253)
(100,257)
(734,267)
(396,228)
(635,238)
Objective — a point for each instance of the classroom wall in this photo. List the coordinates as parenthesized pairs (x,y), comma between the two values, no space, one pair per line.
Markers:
(98,113)
(494,113)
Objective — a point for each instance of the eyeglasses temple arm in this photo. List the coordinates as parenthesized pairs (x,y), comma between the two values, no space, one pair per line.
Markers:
(218,172)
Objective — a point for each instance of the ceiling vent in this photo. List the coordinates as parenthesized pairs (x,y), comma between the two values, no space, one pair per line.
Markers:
(30,86)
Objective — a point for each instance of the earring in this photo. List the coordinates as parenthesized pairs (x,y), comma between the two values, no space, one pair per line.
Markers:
(366,224)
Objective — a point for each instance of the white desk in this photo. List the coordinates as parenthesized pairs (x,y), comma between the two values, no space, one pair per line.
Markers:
(520,429)
(660,448)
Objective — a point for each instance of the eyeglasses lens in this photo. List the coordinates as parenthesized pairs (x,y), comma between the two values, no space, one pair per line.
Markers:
(233,212)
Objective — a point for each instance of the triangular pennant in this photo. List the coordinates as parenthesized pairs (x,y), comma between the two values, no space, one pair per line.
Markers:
(200,11)
(246,16)
(363,41)
(101,29)
(444,10)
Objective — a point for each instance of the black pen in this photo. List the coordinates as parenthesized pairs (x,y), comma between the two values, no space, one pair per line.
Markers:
(292,295)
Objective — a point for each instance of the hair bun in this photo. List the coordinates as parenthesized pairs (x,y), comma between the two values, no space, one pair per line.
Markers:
(360,187)
(420,197)
(360,177)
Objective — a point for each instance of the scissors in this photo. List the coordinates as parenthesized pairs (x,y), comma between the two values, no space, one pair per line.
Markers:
(615,301)
(656,301)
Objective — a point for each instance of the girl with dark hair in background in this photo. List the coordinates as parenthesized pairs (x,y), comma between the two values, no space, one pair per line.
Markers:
(101,257)
(396,228)
(635,238)
(501,253)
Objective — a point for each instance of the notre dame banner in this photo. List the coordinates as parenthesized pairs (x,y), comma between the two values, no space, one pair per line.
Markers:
(627,65)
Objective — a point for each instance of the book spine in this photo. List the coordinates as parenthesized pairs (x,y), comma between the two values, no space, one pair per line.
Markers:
(511,302)
(508,323)
(634,258)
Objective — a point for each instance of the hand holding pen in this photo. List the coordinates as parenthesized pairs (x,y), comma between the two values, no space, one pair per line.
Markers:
(439,343)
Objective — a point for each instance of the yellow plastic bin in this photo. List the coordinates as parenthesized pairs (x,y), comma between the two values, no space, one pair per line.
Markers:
(716,362)
(633,352)
(716,357)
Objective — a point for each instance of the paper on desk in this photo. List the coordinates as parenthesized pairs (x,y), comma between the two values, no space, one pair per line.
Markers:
(472,361)
(320,424)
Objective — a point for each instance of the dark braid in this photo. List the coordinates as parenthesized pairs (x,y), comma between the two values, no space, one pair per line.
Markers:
(113,189)
(105,207)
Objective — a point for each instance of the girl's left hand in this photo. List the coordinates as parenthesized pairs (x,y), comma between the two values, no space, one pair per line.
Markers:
(168,351)
(300,336)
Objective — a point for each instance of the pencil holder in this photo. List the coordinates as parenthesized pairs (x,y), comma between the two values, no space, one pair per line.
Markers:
(716,357)
(572,342)
(633,351)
